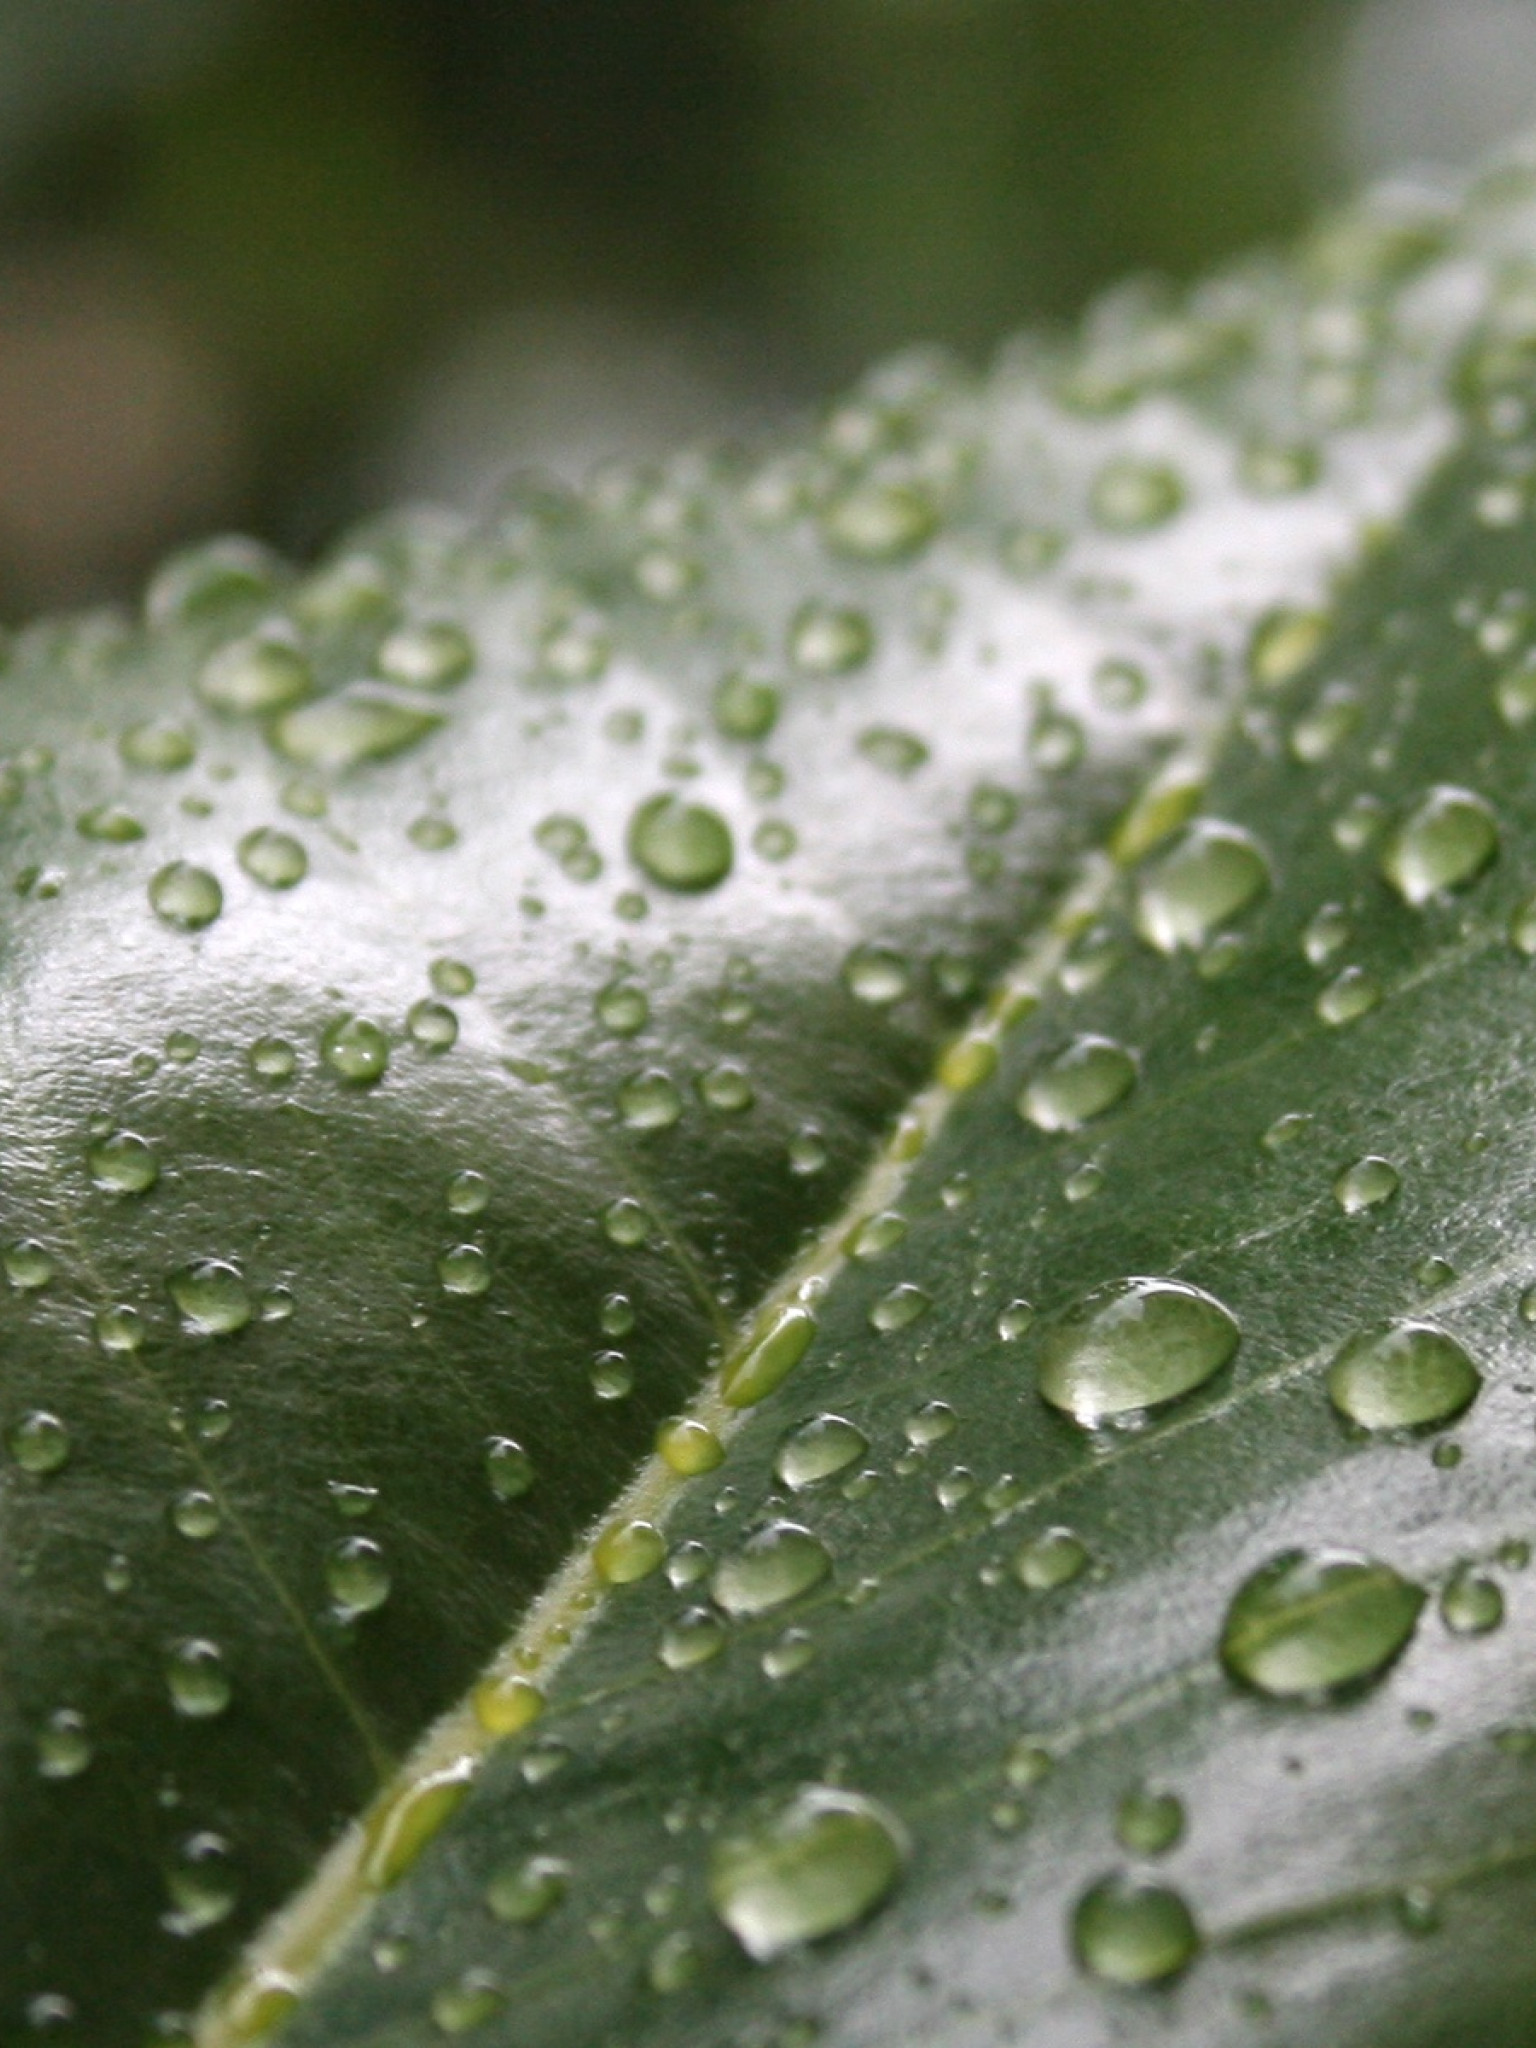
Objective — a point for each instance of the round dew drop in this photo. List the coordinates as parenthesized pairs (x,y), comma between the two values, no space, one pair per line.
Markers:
(185,897)
(880,522)
(526,1892)
(695,1637)
(355,1050)
(1472,1604)
(774,1566)
(830,640)
(681,846)
(1132,1932)
(432,1026)
(213,1299)
(689,1447)
(1133,1345)
(876,975)
(1447,840)
(1131,496)
(357,1575)
(628,1551)
(1148,1822)
(1049,1561)
(650,1101)
(820,1864)
(1215,872)
(1407,1375)
(1082,1082)
(464,1270)
(432,656)
(197,1680)
(39,1443)
(122,1164)
(1313,1622)
(275,859)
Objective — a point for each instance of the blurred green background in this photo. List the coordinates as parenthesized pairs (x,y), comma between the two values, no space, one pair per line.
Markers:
(271,263)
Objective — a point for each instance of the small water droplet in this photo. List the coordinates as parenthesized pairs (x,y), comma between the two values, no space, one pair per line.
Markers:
(689,1447)
(1050,1560)
(693,1638)
(1405,1375)
(650,1101)
(899,1308)
(880,522)
(1149,1822)
(892,750)
(1131,495)
(745,707)
(355,1050)
(727,1089)
(1322,730)
(929,1424)
(627,1551)
(625,1222)
(1015,1320)
(39,1443)
(467,1193)
(357,1575)
(1210,876)
(773,1566)
(201,1884)
(1471,1604)
(119,1331)
(1132,1932)
(877,1234)
(1082,1082)
(819,1864)
(186,897)
(877,975)
(680,845)
(830,640)
(469,2002)
(275,859)
(818,1449)
(464,1270)
(213,1299)
(28,1266)
(432,656)
(110,825)
(508,1467)
(354,726)
(1447,840)
(1353,993)
(64,1747)
(432,1026)
(1132,1345)
(527,1892)
(157,746)
(1311,1622)
(272,1059)
(122,1164)
(622,1008)
(198,1681)
(195,1514)
(1366,1185)
(1325,934)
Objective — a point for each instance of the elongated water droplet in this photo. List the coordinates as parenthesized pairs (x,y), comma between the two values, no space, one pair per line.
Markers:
(1132,1345)
(109,824)
(185,896)
(881,522)
(1447,840)
(1313,1621)
(773,1566)
(355,726)
(1089,1077)
(818,1865)
(1129,1931)
(817,1449)
(775,1348)
(1407,1375)
(1215,872)
(432,656)
(680,845)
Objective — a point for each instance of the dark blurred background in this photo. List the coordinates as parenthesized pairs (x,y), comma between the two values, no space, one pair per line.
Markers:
(272,263)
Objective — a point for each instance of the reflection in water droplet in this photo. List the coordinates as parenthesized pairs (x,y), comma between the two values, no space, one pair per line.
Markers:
(464,1270)
(1406,1375)
(822,1862)
(195,1515)
(773,1566)
(1132,1345)
(899,1308)
(817,1449)
(1447,840)
(1132,1932)
(1313,1621)
(627,1551)
(508,1467)
(626,1223)
(680,845)
(432,656)
(1015,1320)
(1213,873)
(1089,1077)
(876,975)
(185,897)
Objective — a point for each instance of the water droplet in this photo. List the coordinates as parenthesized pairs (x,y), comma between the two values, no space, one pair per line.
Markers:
(627,1551)
(876,975)
(469,2002)
(1132,1345)
(690,1447)
(64,1747)
(195,1515)
(354,726)
(431,656)
(1471,1604)
(432,1026)
(255,676)
(213,1299)
(695,1637)
(791,1653)
(122,1164)
(892,750)
(201,581)
(774,1349)
(464,1270)
(39,1443)
(413,1813)
(109,824)
(1405,1375)
(929,1424)
(675,1962)
(622,1008)
(650,1101)
(467,1193)
(818,1449)
(1089,1077)
(198,1681)
(1312,1621)
(1283,642)
(1515,694)
(876,1234)
(1149,1822)
(506,1703)
(880,522)
(680,845)
(1131,496)
(1366,1185)
(185,896)
(357,1575)
(625,1222)
(1027,1764)
(1353,993)
(1213,873)
(774,1565)
(898,1308)
(807,1152)
(355,1050)
(119,1331)
(528,1891)
(275,859)
(1320,731)
(830,640)
(1325,934)
(27,1266)
(1051,1560)
(1015,1320)
(272,1059)
(1132,1932)
(160,747)
(1447,840)
(745,708)
(822,1862)
(1055,743)
(508,1467)
(201,1884)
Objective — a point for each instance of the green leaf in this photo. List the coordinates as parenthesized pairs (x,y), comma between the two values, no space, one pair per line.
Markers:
(683,948)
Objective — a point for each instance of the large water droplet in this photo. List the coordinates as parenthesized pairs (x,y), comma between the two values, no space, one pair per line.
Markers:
(627,1551)
(185,896)
(1132,1345)
(122,1164)
(1089,1077)
(464,1270)
(356,726)
(650,1101)
(680,845)
(355,1050)
(817,1449)
(1050,1560)
(1214,872)
(821,1863)
(774,1565)
(772,1352)
(213,1299)
(1312,1621)
(1446,841)
(1406,1376)
(1129,1931)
